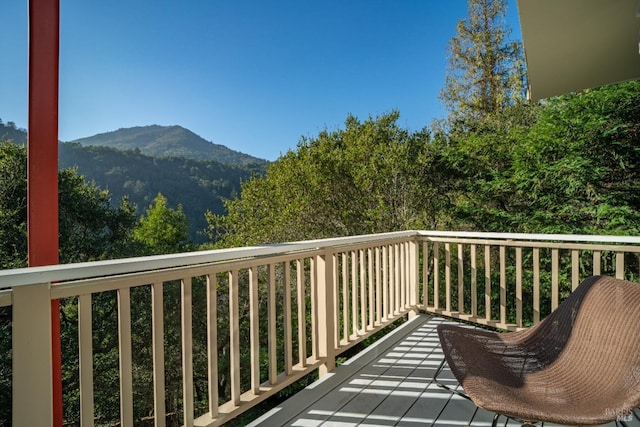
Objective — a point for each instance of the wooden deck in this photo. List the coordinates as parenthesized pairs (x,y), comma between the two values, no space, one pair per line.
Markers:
(388,384)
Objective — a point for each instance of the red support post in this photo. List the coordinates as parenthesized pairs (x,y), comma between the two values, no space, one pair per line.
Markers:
(42,158)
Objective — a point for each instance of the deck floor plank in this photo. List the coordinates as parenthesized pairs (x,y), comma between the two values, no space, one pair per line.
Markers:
(388,384)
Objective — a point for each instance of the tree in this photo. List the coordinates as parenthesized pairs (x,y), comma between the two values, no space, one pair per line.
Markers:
(90,229)
(569,166)
(162,229)
(579,169)
(13,206)
(486,69)
(371,176)
(481,161)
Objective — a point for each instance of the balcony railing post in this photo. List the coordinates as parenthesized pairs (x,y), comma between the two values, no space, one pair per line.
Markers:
(326,312)
(32,365)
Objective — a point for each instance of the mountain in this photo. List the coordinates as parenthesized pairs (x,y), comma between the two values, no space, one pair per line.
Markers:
(198,185)
(167,141)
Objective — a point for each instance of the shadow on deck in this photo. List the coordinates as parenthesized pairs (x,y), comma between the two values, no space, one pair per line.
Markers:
(388,384)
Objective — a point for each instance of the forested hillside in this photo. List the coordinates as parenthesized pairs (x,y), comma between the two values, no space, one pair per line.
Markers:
(199,186)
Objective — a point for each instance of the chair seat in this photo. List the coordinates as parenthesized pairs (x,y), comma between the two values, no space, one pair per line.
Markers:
(579,366)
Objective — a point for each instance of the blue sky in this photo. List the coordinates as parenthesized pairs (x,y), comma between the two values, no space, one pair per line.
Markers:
(252,75)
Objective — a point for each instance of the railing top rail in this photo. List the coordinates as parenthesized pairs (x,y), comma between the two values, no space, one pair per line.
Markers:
(65,272)
(582,238)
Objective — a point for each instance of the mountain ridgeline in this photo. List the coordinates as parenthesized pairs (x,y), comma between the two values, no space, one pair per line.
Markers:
(129,163)
(168,141)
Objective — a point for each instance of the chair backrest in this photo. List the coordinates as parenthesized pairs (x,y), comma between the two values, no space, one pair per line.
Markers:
(593,339)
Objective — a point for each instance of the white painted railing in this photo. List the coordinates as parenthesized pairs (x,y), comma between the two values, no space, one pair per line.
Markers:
(511,281)
(275,313)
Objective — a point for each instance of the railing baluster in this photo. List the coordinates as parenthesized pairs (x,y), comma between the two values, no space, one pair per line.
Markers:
(157,321)
(254,331)
(620,265)
(85,343)
(313,276)
(336,299)
(519,286)
(392,294)
(425,273)
(575,269)
(302,317)
(234,336)
(124,342)
(370,301)
(536,285)
(212,344)
(392,281)
(272,340)
(379,315)
(596,263)
(402,271)
(187,351)
(396,278)
(346,302)
(363,292)
(555,267)
(288,332)
(460,278)
(414,274)
(436,275)
(487,282)
(403,277)
(474,281)
(354,293)
(503,285)
(385,283)
(447,276)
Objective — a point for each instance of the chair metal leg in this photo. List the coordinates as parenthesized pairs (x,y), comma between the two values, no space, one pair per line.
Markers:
(494,423)
(444,386)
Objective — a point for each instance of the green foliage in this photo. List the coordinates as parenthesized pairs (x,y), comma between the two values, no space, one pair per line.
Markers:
(13,206)
(581,166)
(90,228)
(370,177)
(197,185)
(481,161)
(162,230)
(570,166)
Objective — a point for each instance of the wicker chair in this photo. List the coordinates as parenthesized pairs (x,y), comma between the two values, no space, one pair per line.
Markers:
(579,366)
